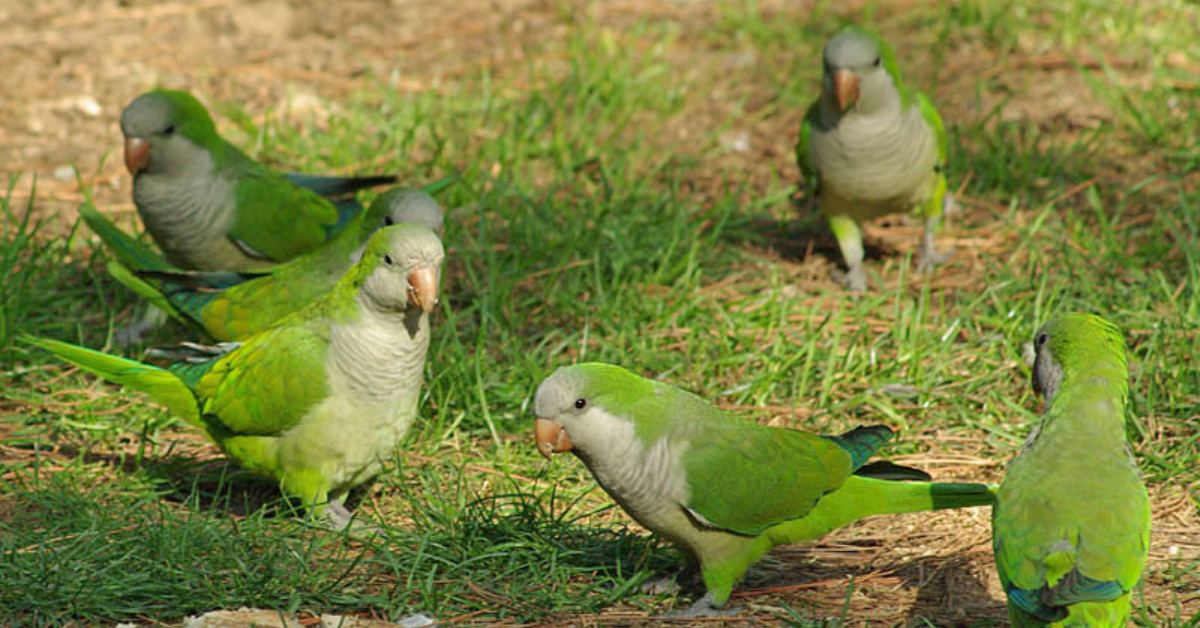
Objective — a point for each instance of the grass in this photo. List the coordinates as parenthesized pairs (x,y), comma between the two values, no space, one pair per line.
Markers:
(603,214)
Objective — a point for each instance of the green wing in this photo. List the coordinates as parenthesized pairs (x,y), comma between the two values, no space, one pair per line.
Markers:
(269,383)
(1055,548)
(808,170)
(789,471)
(934,119)
(276,219)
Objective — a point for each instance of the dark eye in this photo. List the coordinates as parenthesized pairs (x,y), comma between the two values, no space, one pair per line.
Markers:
(169,130)
(387,259)
(387,221)
(1041,340)
(877,60)
(580,403)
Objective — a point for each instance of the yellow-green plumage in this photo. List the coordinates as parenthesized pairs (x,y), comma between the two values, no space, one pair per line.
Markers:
(876,148)
(318,400)
(723,490)
(1071,526)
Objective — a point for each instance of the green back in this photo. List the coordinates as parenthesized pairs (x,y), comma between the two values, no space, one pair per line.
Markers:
(270,382)
(1072,522)
(789,469)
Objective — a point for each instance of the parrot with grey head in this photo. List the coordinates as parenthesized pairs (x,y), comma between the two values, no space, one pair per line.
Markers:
(871,145)
(208,205)
(232,306)
(319,400)
(721,489)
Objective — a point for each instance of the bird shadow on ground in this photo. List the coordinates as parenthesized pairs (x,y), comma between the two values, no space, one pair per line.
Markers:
(951,593)
(798,238)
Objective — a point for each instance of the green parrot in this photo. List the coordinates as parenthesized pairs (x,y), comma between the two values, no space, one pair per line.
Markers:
(721,489)
(1071,525)
(211,207)
(234,306)
(319,400)
(869,146)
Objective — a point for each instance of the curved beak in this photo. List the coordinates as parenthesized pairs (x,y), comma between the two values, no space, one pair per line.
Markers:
(423,289)
(845,88)
(551,437)
(137,154)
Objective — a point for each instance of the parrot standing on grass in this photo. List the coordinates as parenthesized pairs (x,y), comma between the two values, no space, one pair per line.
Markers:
(723,490)
(1071,525)
(211,207)
(869,146)
(319,400)
(233,306)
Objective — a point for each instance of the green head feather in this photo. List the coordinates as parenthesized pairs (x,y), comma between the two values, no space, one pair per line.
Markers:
(163,109)
(1073,345)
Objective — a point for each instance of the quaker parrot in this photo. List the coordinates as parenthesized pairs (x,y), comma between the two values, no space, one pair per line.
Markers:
(211,207)
(234,306)
(319,400)
(1071,525)
(721,489)
(871,145)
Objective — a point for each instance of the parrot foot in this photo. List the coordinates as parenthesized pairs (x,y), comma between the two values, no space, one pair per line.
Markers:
(854,280)
(338,518)
(134,333)
(932,258)
(702,607)
(666,585)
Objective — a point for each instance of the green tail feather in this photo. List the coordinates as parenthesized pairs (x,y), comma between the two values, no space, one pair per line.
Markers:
(151,293)
(862,497)
(162,385)
(127,249)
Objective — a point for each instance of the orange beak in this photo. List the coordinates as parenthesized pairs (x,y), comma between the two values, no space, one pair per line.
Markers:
(551,437)
(137,154)
(845,87)
(423,289)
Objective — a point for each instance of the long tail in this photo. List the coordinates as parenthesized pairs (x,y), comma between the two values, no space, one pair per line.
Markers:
(861,497)
(331,186)
(127,249)
(151,293)
(161,384)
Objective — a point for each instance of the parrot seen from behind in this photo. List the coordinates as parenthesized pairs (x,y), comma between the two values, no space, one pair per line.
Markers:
(319,400)
(721,489)
(1071,525)
(208,205)
(871,145)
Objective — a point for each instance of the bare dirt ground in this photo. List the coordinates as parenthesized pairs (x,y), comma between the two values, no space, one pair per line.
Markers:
(70,69)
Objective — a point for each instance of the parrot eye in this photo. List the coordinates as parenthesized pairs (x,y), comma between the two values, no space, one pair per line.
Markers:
(387,221)
(387,259)
(1041,340)
(877,60)
(580,403)
(169,130)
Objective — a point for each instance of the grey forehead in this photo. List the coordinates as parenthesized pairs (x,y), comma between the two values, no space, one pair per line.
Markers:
(417,207)
(850,50)
(147,113)
(553,393)
(416,242)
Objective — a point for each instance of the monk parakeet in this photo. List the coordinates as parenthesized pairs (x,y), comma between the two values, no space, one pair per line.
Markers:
(1071,525)
(869,146)
(319,400)
(211,207)
(723,490)
(234,306)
